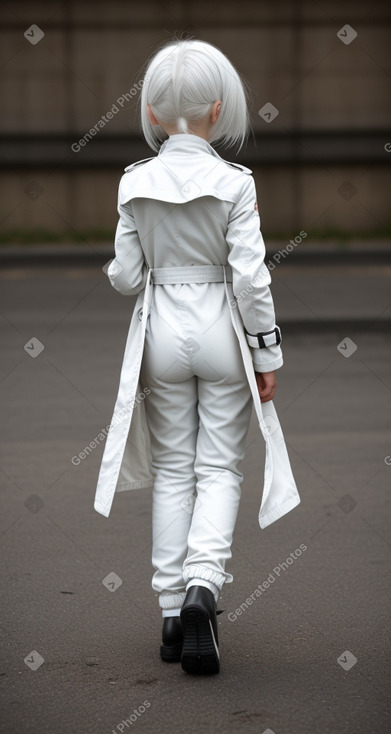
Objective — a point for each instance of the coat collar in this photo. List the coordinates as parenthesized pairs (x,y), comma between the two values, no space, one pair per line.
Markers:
(187,144)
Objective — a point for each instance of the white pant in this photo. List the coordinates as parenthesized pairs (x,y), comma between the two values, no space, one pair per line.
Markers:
(198,414)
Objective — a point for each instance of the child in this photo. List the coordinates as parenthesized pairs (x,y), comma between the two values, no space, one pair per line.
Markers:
(203,345)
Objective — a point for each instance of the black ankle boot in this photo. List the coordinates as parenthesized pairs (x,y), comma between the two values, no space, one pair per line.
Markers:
(172,640)
(200,653)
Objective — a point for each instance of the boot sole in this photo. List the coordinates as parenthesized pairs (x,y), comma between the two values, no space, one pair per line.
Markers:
(200,653)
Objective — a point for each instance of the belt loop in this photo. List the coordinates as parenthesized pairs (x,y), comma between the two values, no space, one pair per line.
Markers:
(226,289)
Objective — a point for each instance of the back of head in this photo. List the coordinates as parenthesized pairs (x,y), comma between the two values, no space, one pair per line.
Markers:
(181,82)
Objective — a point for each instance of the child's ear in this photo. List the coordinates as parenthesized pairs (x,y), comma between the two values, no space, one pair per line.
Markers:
(215,111)
(151,116)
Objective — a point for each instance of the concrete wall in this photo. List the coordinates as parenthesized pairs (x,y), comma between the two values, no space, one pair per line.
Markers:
(93,52)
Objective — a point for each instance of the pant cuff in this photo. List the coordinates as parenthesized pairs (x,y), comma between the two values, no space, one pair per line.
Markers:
(171,601)
(203,572)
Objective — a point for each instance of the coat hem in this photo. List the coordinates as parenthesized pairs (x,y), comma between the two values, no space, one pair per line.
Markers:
(102,508)
(126,486)
(278,512)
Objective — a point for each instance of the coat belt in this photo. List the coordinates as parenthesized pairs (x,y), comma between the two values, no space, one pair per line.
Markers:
(191,274)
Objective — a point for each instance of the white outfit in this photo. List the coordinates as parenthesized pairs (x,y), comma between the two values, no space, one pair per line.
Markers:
(187,383)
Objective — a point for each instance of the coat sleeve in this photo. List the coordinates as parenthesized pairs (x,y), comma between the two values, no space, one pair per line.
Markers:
(250,275)
(128,271)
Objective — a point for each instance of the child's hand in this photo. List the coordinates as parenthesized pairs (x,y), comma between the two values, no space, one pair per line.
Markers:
(267,385)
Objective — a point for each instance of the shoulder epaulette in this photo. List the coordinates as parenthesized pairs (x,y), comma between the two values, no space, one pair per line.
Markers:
(244,169)
(138,163)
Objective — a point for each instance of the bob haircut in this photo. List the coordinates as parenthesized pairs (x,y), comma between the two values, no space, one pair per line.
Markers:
(181,82)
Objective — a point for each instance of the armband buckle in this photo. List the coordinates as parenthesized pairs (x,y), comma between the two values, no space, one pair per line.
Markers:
(264,338)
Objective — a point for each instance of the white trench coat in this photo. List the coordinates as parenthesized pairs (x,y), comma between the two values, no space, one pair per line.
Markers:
(186,169)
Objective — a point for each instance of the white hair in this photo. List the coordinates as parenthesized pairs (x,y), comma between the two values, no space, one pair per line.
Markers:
(182,81)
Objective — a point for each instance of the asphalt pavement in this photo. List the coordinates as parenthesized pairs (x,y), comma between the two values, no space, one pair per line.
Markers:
(80,622)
